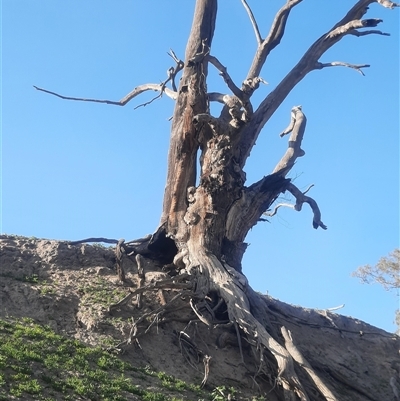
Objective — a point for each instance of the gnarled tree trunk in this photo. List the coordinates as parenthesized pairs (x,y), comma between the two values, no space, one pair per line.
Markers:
(207,214)
(209,221)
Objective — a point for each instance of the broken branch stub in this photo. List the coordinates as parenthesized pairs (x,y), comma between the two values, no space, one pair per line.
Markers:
(297,128)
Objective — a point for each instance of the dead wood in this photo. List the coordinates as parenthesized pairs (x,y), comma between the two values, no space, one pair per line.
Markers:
(207,214)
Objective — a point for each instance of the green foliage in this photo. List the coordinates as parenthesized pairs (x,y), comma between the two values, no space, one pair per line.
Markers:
(100,291)
(33,279)
(68,369)
(386,273)
(223,393)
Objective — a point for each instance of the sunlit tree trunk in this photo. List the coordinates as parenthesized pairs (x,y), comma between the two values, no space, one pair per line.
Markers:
(208,213)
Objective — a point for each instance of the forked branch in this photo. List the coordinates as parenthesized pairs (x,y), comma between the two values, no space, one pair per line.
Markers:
(273,39)
(357,67)
(224,74)
(162,88)
(350,24)
(302,198)
(241,95)
(136,92)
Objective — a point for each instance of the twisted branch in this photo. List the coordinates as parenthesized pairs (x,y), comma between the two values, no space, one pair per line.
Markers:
(302,198)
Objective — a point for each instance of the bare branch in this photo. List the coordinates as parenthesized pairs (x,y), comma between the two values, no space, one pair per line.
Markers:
(297,127)
(335,308)
(309,62)
(146,87)
(273,39)
(388,4)
(346,28)
(174,70)
(279,205)
(309,187)
(216,97)
(172,54)
(149,102)
(224,73)
(356,67)
(136,92)
(370,32)
(253,21)
(241,98)
(300,199)
(94,239)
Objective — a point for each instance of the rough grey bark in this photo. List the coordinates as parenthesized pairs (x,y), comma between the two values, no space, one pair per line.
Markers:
(203,228)
(209,222)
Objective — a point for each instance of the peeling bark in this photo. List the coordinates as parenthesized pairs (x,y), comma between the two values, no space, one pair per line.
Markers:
(203,227)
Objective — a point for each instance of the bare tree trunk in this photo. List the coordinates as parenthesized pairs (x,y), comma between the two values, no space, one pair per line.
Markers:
(207,223)
(185,137)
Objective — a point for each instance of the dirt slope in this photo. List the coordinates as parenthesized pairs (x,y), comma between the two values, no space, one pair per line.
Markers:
(69,288)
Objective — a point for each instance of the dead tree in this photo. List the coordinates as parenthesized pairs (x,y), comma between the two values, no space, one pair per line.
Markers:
(203,227)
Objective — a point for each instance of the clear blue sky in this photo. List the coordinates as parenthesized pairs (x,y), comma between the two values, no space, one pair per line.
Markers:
(74,170)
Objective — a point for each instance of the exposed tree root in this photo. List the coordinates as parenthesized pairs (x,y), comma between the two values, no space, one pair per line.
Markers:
(172,284)
(246,311)
(299,358)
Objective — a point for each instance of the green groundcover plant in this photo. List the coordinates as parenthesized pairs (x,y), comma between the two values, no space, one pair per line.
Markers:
(38,364)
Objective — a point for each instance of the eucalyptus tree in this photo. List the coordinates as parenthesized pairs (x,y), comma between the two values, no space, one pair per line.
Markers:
(208,213)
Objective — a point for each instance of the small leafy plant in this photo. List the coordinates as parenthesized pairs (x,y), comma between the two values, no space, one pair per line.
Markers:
(40,365)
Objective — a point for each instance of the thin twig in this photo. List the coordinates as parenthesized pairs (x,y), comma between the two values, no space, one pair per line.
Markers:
(370,32)
(253,22)
(273,213)
(357,67)
(150,101)
(172,284)
(137,91)
(309,187)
